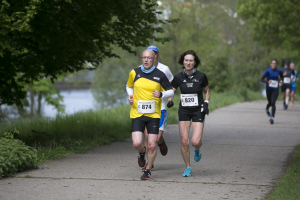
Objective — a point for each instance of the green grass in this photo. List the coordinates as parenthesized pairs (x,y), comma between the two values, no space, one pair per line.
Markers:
(65,135)
(288,186)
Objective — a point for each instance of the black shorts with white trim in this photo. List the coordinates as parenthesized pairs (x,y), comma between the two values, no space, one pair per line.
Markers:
(152,124)
(196,116)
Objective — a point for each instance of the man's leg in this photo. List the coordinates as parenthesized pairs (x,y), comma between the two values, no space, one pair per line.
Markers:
(293,95)
(160,137)
(287,97)
(152,138)
(138,127)
(146,141)
(160,140)
(283,95)
(137,141)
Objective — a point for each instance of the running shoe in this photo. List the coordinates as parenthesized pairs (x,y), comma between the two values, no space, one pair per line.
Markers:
(163,148)
(286,106)
(292,106)
(283,105)
(187,172)
(197,155)
(271,120)
(146,175)
(141,158)
(144,168)
(268,113)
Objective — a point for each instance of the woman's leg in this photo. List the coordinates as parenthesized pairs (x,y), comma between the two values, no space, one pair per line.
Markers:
(184,129)
(273,101)
(197,134)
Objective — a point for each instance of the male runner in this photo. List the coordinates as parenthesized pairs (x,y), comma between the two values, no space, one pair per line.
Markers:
(286,85)
(163,119)
(293,88)
(145,87)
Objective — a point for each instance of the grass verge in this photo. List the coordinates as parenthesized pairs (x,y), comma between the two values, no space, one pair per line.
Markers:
(65,135)
(288,186)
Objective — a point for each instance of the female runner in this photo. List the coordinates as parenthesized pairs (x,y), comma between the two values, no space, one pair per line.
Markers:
(192,107)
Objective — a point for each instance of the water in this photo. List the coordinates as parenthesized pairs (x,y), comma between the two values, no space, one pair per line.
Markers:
(74,101)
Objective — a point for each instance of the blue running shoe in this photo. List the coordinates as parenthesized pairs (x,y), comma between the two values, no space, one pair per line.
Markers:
(271,120)
(187,172)
(283,105)
(197,155)
(268,113)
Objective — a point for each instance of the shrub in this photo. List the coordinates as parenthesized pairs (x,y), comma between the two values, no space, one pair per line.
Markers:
(15,156)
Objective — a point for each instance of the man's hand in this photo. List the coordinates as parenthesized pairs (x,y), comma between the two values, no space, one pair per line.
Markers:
(130,99)
(270,81)
(170,104)
(204,108)
(156,94)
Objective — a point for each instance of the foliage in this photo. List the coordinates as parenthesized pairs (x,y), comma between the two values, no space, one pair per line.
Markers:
(75,133)
(15,156)
(276,22)
(45,38)
(288,186)
(110,78)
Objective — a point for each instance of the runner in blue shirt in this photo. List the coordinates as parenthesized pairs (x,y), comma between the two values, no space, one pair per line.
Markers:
(293,88)
(272,87)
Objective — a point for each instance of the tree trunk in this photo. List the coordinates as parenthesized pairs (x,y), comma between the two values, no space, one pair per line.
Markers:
(31,96)
(39,109)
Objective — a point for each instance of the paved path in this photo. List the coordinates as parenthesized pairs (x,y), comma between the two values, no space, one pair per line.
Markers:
(242,156)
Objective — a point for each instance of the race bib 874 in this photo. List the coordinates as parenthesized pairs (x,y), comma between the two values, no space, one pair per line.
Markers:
(146,106)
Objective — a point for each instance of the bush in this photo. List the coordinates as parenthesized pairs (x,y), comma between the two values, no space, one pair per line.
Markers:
(15,156)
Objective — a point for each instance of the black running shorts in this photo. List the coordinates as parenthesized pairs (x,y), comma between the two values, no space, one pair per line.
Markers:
(152,124)
(284,87)
(194,116)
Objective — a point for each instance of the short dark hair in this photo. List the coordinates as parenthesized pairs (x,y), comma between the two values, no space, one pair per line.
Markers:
(274,60)
(189,52)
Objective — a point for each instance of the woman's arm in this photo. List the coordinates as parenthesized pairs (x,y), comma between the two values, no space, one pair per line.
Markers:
(207,93)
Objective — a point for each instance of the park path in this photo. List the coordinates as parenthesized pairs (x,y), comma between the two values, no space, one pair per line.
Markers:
(242,156)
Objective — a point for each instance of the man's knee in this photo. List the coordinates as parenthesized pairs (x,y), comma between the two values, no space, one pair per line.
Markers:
(151,146)
(136,145)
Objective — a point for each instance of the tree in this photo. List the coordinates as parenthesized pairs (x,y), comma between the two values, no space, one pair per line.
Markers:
(46,38)
(276,22)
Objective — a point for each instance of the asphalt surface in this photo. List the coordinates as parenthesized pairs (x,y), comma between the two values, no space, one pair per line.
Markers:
(242,157)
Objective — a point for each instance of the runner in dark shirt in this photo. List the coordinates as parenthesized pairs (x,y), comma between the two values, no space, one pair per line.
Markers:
(272,87)
(286,84)
(192,107)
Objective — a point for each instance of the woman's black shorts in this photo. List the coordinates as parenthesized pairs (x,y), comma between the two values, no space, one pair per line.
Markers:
(196,116)
(152,124)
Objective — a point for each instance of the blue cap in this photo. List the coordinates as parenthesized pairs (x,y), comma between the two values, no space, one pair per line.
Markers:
(153,48)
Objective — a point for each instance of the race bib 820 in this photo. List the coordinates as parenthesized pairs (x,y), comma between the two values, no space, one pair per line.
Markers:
(189,99)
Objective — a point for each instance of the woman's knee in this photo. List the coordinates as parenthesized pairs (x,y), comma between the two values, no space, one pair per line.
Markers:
(196,143)
(185,143)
